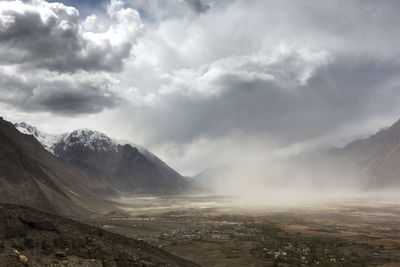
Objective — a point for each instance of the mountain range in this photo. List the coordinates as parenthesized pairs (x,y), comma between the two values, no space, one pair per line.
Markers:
(125,168)
(73,172)
(74,175)
(30,175)
(77,173)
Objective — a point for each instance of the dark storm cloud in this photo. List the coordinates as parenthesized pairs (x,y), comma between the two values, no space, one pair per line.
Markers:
(291,71)
(29,39)
(340,92)
(63,95)
(50,36)
(71,102)
(198,6)
(157,11)
(53,60)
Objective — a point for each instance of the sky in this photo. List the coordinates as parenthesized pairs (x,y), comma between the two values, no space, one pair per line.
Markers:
(203,83)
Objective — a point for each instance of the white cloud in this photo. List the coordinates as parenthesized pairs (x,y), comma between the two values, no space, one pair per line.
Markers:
(53,61)
(51,36)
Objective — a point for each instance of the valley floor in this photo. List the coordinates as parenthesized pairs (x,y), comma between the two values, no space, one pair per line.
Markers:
(208,232)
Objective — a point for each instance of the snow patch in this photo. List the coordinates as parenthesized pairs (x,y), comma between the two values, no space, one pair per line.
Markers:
(90,139)
(47,140)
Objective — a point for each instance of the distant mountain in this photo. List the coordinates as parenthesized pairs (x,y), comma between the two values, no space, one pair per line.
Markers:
(126,168)
(377,158)
(372,163)
(210,178)
(31,176)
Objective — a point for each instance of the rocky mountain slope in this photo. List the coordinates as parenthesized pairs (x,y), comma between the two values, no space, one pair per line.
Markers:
(126,168)
(377,158)
(32,238)
(31,176)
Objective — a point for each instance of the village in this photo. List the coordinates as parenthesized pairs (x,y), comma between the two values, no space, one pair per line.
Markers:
(260,238)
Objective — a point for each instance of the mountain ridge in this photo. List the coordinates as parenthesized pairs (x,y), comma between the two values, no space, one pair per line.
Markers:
(376,157)
(31,176)
(125,167)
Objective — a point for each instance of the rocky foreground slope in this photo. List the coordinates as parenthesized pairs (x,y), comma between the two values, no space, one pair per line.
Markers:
(32,238)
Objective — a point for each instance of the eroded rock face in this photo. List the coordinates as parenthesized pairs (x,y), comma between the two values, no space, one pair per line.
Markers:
(30,237)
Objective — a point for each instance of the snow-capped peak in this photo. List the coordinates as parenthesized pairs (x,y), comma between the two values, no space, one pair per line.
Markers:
(47,140)
(90,139)
(26,128)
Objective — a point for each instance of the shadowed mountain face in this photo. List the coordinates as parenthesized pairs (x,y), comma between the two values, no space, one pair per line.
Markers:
(33,238)
(30,175)
(125,168)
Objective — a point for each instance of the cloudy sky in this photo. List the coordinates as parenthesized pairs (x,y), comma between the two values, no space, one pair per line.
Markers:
(203,82)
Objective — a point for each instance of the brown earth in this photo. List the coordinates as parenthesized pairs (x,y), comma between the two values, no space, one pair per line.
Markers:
(32,238)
